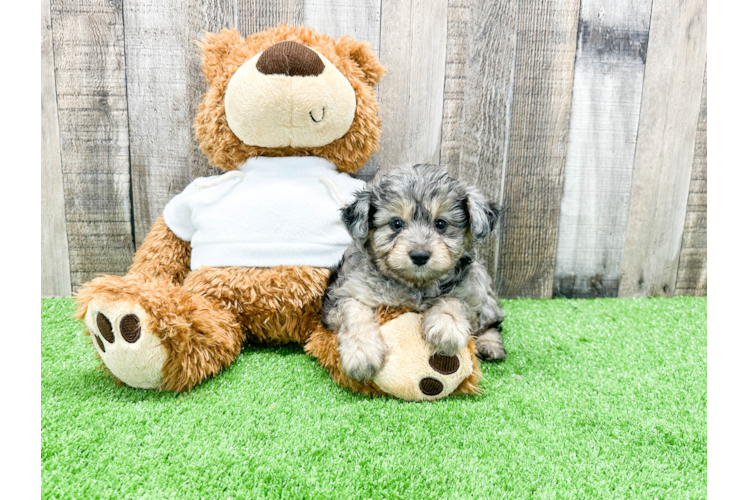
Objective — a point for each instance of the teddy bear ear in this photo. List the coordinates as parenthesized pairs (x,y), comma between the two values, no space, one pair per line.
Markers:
(363,56)
(216,47)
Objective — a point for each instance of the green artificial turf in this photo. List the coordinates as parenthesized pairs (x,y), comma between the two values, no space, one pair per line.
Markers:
(598,399)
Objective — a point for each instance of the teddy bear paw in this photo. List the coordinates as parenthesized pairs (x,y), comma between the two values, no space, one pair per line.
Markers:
(411,371)
(132,353)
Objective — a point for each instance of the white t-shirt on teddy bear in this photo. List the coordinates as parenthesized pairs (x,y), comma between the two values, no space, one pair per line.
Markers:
(269,212)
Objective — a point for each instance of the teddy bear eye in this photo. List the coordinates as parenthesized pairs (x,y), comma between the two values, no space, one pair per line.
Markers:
(440,224)
(396,224)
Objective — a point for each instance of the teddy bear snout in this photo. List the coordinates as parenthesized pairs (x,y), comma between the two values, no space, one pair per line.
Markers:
(289,95)
(291,59)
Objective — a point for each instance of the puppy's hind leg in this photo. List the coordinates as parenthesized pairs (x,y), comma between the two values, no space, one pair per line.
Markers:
(490,344)
(489,341)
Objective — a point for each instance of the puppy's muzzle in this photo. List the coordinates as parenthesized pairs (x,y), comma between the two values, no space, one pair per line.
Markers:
(420,257)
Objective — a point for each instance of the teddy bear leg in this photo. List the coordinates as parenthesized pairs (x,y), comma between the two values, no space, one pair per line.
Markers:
(153,334)
(274,305)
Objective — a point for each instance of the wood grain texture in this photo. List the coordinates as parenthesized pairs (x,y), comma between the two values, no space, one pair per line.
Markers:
(599,162)
(459,27)
(608,78)
(673,80)
(481,39)
(92,115)
(55,257)
(165,85)
(691,278)
(201,16)
(413,49)
(158,109)
(540,109)
(713,222)
(257,15)
(359,19)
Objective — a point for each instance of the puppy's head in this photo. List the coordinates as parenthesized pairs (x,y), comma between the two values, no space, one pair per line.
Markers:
(417,222)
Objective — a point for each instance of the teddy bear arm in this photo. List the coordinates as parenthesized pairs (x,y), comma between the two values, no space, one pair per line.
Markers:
(163,255)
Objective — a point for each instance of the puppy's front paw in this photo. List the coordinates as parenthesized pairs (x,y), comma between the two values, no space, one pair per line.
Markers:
(361,357)
(446,333)
(360,365)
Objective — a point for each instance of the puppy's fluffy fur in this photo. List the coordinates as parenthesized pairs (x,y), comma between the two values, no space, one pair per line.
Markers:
(413,232)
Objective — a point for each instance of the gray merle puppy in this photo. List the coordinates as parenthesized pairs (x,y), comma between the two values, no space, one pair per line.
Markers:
(413,232)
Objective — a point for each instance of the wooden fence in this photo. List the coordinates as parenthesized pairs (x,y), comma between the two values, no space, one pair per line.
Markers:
(585,119)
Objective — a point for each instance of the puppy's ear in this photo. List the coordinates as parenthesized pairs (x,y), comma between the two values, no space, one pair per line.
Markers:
(483,214)
(355,215)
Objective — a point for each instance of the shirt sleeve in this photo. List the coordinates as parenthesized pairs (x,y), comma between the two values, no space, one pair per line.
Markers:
(348,186)
(178,214)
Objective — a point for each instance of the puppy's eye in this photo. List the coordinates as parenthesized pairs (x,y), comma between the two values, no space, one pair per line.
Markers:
(440,224)
(396,224)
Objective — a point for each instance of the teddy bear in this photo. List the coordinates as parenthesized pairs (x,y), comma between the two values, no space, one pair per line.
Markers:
(244,256)
(410,371)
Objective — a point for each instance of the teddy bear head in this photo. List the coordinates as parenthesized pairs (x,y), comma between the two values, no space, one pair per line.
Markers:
(288,91)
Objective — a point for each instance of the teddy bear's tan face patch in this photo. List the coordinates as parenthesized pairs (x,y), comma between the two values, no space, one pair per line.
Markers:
(413,373)
(289,96)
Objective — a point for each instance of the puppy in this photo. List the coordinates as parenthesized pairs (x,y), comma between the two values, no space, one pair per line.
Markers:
(413,232)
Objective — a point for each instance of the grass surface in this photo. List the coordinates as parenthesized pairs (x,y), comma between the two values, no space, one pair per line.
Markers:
(597,399)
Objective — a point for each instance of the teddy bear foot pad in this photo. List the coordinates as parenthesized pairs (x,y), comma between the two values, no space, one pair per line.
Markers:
(438,377)
(132,353)
(410,371)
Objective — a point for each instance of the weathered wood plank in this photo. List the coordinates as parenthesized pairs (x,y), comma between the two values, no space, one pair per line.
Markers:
(92,115)
(257,15)
(413,49)
(713,223)
(157,104)
(201,16)
(165,85)
(481,38)
(359,19)
(608,78)
(55,258)
(455,82)
(540,109)
(673,79)
(691,278)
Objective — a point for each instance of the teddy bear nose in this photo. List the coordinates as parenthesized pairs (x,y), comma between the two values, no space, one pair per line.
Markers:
(290,58)
(420,257)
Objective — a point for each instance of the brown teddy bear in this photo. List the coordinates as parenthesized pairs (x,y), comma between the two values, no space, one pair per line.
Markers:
(244,256)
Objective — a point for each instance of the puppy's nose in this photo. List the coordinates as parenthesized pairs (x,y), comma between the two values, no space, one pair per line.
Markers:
(290,58)
(420,257)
